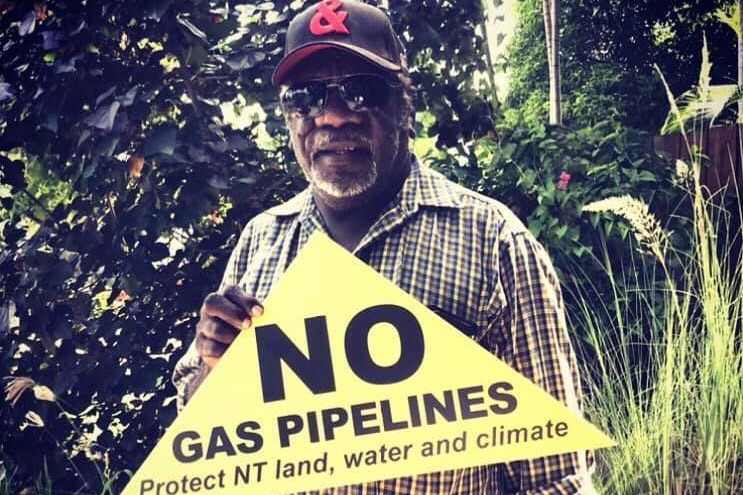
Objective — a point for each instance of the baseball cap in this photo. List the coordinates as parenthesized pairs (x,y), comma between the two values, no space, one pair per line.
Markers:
(346,25)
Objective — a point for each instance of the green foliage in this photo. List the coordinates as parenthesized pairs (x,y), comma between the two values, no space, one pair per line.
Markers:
(143,159)
(126,173)
(137,138)
(547,174)
(665,372)
(729,15)
(608,49)
(43,192)
(445,51)
(703,104)
(686,400)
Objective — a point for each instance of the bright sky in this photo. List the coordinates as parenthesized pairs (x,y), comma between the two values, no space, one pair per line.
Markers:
(501,21)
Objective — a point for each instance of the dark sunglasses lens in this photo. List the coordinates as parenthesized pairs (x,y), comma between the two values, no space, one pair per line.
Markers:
(361,92)
(305,99)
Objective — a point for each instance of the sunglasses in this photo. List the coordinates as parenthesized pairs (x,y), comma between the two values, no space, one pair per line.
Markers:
(359,92)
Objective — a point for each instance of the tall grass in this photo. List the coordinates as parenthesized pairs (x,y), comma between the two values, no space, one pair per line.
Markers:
(667,376)
(107,479)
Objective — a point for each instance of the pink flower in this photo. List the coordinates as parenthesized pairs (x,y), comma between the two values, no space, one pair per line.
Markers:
(123,297)
(215,218)
(563,182)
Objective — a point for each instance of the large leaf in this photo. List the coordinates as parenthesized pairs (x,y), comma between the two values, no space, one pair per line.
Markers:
(245,61)
(102,97)
(52,39)
(191,28)
(161,141)
(6,91)
(104,117)
(119,223)
(28,24)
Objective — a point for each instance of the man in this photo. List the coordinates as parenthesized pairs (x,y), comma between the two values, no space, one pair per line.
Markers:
(346,96)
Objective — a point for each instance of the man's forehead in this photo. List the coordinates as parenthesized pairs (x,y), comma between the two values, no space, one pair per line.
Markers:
(331,63)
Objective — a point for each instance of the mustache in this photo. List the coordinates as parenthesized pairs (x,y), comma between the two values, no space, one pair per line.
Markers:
(323,137)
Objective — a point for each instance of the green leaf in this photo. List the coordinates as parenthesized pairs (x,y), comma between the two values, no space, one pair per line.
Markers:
(247,180)
(84,135)
(509,149)
(535,226)
(549,144)
(191,28)
(527,178)
(128,98)
(578,251)
(104,117)
(161,142)
(594,219)
(218,182)
(196,56)
(107,146)
(245,61)
(52,121)
(102,97)
(28,24)
(6,91)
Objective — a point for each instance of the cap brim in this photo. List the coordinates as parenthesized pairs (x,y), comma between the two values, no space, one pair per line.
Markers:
(295,56)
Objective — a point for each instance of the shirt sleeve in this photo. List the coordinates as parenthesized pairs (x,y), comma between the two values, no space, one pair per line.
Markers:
(190,365)
(527,329)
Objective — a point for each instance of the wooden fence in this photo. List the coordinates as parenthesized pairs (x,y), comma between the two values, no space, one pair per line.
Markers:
(721,145)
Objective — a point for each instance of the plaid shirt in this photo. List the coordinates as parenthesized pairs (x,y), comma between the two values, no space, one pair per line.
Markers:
(468,258)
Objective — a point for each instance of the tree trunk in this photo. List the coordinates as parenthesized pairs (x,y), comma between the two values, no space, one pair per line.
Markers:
(547,12)
(552,35)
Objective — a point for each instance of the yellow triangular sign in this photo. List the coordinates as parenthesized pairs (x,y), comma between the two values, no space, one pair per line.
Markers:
(347,379)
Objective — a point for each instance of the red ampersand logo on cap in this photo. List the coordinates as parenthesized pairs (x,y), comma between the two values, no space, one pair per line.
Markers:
(326,20)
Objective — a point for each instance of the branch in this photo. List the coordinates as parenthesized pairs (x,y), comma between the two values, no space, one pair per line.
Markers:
(41,206)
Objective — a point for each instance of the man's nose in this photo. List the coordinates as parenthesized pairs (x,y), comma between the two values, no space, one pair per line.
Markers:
(337,113)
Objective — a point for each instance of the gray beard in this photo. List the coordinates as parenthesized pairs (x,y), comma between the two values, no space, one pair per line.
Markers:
(344,189)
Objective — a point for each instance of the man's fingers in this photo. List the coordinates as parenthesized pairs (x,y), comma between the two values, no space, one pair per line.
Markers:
(251,305)
(215,329)
(222,317)
(210,361)
(208,348)
(217,306)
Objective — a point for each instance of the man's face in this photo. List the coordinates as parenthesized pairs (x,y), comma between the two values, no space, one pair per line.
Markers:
(351,158)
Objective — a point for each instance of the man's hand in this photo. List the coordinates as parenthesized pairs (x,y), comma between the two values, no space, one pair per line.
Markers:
(222,317)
